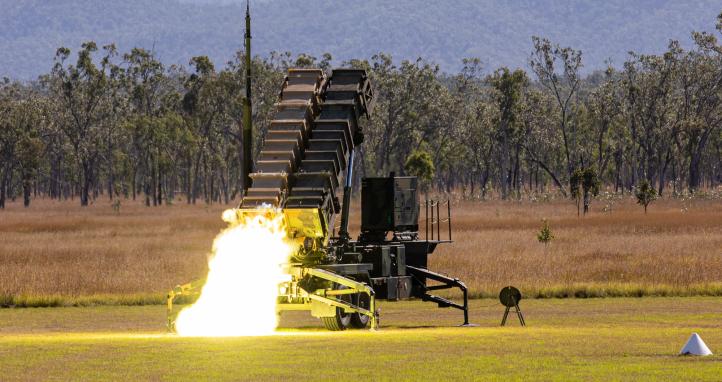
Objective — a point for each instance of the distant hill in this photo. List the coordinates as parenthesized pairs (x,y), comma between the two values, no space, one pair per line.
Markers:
(497,31)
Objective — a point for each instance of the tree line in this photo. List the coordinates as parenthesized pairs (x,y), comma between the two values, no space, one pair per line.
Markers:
(102,124)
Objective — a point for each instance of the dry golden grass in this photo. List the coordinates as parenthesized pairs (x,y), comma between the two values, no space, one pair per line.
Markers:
(623,252)
(54,253)
(60,249)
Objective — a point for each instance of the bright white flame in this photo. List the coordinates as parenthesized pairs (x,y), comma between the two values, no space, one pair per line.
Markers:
(239,297)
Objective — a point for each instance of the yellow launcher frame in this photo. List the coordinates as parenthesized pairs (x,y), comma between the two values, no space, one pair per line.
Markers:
(323,302)
(301,223)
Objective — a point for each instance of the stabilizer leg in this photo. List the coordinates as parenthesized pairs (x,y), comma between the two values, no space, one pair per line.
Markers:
(447,283)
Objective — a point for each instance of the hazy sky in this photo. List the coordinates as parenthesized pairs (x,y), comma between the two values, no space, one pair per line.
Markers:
(496,31)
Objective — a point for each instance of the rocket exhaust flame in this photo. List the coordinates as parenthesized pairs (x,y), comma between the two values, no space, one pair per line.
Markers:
(239,296)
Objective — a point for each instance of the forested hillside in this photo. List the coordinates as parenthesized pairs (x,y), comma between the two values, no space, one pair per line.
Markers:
(443,32)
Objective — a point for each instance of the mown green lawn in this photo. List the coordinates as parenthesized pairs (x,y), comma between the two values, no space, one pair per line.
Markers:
(595,339)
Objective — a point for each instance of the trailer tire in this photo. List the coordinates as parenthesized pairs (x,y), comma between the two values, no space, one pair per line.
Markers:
(336,323)
(342,320)
(358,320)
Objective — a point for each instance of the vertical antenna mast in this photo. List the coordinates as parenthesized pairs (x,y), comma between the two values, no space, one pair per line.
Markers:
(247,123)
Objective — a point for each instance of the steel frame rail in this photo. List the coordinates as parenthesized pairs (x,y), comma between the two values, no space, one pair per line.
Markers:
(447,283)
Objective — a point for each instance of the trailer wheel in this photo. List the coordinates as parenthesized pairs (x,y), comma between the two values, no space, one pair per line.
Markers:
(342,320)
(337,322)
(358,320)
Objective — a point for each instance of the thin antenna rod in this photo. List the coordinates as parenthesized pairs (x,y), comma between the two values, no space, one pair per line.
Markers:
(247,109)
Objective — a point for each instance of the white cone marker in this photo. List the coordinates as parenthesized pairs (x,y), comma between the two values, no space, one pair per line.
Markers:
(695,346)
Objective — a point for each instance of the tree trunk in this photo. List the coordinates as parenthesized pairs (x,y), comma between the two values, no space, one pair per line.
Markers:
(188,184)
(133,184)
(224,188)
(111,177)
(472,185)
(153,181)
(26,191)
(85,192)
(211,186)
(552,175)
(663,174)
(694,171)
(85,183)
(159,188)
(147,191)
(3,188)
(196,179)
(516,174)
(504,171)
(484,181)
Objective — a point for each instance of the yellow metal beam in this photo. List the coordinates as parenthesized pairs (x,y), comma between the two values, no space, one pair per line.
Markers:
(300,222)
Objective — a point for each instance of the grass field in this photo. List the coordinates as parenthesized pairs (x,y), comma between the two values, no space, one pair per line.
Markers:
(57,253)
(566,339)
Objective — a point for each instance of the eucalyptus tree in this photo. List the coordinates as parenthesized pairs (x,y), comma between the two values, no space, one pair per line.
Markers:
(9,135)
(604,105)
(654,102)
(211,106)
(201,112)
(375,151)
(508,88)
(304,60)
(22,120)
(84,106)
(152,123)
(704,69)
(479,140)
(557,70)
(474,137)
(412,106)
(28,119)
(541,138)
(7,139)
